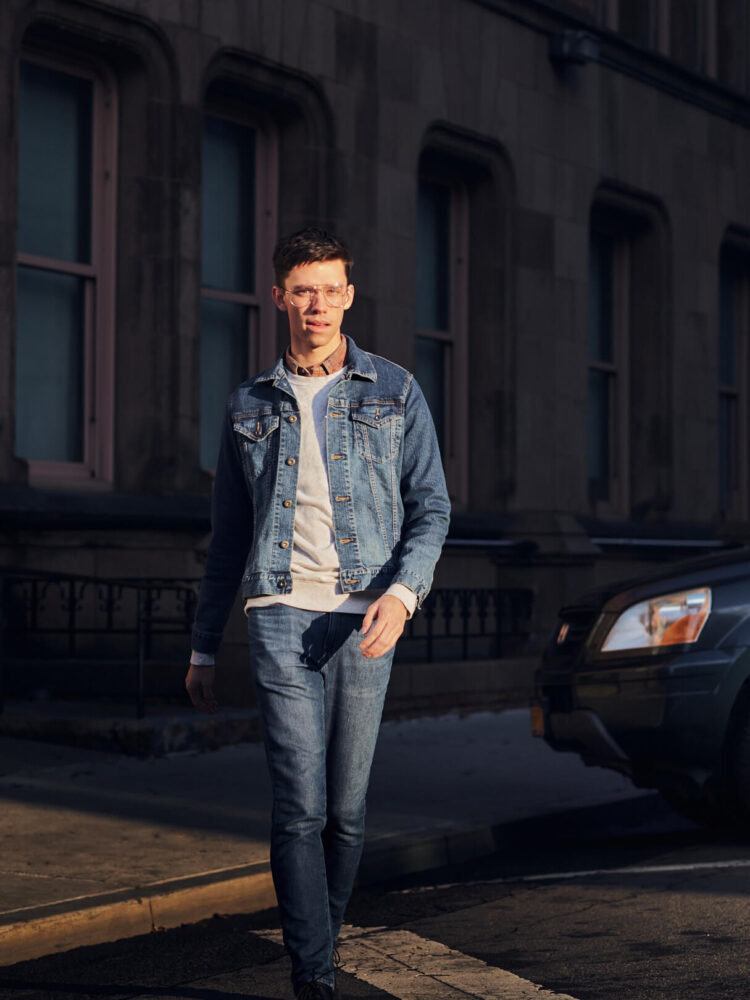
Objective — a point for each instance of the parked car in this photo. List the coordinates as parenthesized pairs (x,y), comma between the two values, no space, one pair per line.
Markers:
(651,677)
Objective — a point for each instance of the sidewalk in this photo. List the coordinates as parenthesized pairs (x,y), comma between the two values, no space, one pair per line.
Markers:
(97,846)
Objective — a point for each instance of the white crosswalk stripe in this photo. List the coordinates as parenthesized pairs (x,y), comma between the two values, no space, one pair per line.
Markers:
(410,967)
(692,866)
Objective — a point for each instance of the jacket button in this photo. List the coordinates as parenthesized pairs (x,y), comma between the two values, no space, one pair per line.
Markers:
(280,583)
(287,503)
(291,461)
(284,545)
(292,419)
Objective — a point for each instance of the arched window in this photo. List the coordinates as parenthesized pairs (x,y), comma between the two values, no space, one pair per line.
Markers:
(441,294)
(629,357)
(65,270)
(238,209)
(608,353)
(734,329)
(463,306)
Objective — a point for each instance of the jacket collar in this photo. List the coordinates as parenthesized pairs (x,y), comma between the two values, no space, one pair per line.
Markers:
(358,363)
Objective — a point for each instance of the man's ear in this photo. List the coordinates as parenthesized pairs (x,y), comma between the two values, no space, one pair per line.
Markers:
(277,294)
(350,297)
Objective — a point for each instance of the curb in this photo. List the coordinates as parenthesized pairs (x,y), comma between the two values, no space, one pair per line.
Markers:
(152,736)
(57,927)
(44,930)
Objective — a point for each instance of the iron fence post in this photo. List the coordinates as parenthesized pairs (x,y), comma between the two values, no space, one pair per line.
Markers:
(464,603)
(139,695)
(71,618)
(499,635)
(429,614)
(4,601)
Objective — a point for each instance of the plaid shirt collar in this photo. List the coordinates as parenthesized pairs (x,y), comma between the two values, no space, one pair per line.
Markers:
(333,363)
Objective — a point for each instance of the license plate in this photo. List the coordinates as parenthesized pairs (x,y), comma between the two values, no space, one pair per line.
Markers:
(537,720)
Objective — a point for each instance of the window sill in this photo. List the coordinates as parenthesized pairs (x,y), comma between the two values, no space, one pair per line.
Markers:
(97,509)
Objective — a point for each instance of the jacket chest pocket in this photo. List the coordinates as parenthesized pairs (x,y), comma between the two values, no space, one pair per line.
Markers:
(259,434)
(377,431)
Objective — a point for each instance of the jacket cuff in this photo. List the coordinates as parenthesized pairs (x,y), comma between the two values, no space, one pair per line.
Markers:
(205,642)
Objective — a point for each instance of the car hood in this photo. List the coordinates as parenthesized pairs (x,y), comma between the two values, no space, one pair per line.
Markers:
(697,572)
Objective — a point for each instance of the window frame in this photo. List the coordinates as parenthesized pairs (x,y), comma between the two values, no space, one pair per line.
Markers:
(261,332)
(737,264)
(455,452)
(97,466)
(618,370)
(611,16)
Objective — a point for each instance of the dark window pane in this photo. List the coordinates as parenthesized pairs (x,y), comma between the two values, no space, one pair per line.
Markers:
(228,200)
(600,434)
(431,374)
(685,33)
(54,164)
(433,256)
(49,366)
(224,363)
(727,290)
(600,298)
(732,23)
(635,20)
(727,451)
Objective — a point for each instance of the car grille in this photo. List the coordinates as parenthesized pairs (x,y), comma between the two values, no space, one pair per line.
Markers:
(570,633)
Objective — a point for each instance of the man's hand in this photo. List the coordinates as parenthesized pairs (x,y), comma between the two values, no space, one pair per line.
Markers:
(200,686)
(382,625)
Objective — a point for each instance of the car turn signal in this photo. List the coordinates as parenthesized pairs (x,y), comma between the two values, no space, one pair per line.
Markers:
(668,620)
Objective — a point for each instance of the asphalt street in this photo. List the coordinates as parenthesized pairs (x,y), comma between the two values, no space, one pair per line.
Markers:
(600,903)
(96,846)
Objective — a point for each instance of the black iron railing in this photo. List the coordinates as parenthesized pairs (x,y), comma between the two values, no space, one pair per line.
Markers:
(468,622)
(132,624)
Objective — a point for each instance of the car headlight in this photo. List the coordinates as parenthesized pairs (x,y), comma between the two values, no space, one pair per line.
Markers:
(668,620)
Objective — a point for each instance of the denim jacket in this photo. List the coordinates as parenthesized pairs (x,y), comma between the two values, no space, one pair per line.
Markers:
(390,504)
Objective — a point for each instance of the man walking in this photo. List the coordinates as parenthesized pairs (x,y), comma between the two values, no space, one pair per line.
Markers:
(330,507)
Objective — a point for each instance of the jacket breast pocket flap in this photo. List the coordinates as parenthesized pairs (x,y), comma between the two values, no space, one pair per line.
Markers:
(256,427)
(376,414)
(377,430)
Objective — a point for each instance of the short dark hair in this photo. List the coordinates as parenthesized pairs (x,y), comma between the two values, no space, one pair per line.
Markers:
(307,246)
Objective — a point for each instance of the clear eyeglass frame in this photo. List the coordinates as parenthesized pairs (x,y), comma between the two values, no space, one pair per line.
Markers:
(334,295)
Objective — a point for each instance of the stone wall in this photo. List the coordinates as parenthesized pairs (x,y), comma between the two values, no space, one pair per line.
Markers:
(356,95)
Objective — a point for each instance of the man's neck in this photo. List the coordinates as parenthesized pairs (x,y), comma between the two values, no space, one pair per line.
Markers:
(321,361)
(303,354)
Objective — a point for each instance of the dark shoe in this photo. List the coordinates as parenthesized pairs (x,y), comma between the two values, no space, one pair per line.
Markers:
(315,990)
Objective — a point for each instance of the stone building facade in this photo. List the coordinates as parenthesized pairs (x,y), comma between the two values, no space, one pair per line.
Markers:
(549,208)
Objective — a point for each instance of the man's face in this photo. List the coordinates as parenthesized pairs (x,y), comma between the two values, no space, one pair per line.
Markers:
(314,326)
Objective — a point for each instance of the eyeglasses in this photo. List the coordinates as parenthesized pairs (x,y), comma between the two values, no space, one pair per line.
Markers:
(334,295)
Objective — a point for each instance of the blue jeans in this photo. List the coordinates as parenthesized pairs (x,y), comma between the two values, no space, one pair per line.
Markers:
(321,701)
